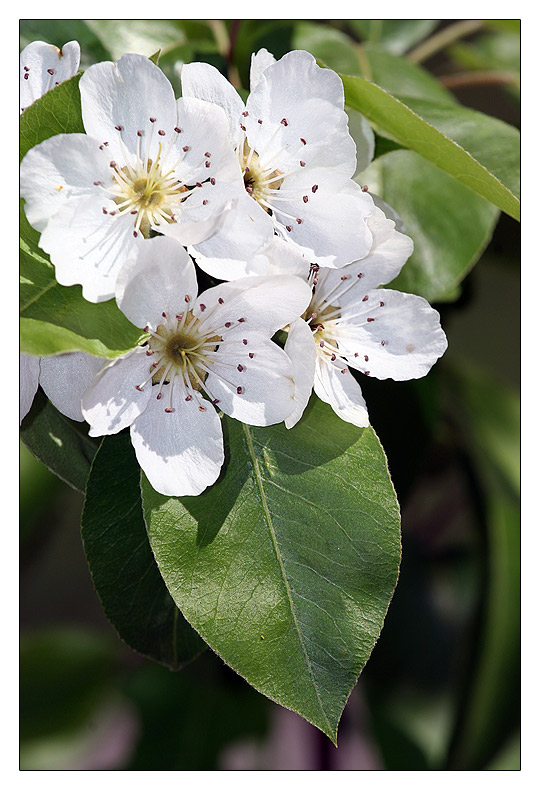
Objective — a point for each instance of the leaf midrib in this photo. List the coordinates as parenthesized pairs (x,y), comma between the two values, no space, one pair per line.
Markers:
(273,537)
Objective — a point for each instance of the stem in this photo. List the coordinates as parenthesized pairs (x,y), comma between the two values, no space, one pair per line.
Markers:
(443,38)
(466,78)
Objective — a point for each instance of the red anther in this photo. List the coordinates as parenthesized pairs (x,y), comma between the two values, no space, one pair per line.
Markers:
(244,341)
(215,401)
(203,307)
(169,410)
(139,133)
(302,140)
(345,370)
(239,390)
(189,397)
(370,320)
(366,358)
(299,221)
(251,355)
(284,121)
(202,408)
(365,188)
(345,277)
(239,368)
(213,181)
(112,164)
(152,120)
(207,153)
(149,352)
(159,396)
(259,121)
(321,344)
(228,324)
(104,210)
(97,183)
(220,300)
(198,184)
(26,76)
(164,314)
(365,298)
(187,298)
(161,132)
(245,113)
(302,164)
(381,304)
(27,68)
(305,198)
(383,342)
(177,129)
(135,234)
(185,148)
(138,387)
(207,163)
(242,127)
(241,320)
(333,357)
(179,316)
(50,71)
(366,372)
(359,275)
(288,228)
(134,211)
(249,190)
(205,202)
(118,128)
(314,188)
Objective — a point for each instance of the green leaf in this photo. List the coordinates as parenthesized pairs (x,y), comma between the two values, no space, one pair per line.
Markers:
(329,45)
(395,35)
(124,571)
(58,442)
(478,151)
(143,36)
(286,566)
(56,112)
(449,224)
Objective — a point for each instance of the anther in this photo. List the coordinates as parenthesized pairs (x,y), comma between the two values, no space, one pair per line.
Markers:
(169,410)
(205,202)
(244,341)
(198,184)
(159,396)
(321,344)
(288,228)
(161,132)
(97,183)
(245,113)
(135,234)
(305,198)
(314,188)
(202,307)
(383,342)
(104,210)
(239,390)
(241,320)
(134,211)
(177,130)
(112,164)
(185,148)
(50,71)
(152,120)
(302,164)
(118,128)
(242,127)
(366,358)
(189,397)
(150,352)
(187,298)
(207,153)
(370,320)
(345,277)
(228,324)
(215,401)
(202,408)
(345,370)
(333,357)
(299,221)
(360,275)
(207,163)
(284,121)
(259,120)
(365,188)
(251,355)
(220,300)
(366,372)
(213,181)
(138,387)
(26,76)
(302,140)
(139,133)
(164,314)
(365,298)
(27,68)
(381,304)
(239,368)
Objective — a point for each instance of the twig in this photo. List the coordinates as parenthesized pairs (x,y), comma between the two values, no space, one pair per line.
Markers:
(466,78)
(443,38)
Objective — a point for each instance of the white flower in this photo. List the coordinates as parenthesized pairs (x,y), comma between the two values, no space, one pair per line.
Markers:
(63,378)
(199,352)
(297,159)
(43,66)
(352,323)
(146,162)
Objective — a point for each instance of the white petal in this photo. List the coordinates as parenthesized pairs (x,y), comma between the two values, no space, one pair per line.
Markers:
(37,60)
(230,252)
(65,377)
(341,391)
(60,169)
(364,137)
(284,258)
(403,341)
(261,391)
(332,230)
(89,247)
(127,94)
(203,81)
(265,304)
(259,62)
(181,452)
(112,401)
(202,214)
(300,348)
(28,382)
(156,280)
(297,101)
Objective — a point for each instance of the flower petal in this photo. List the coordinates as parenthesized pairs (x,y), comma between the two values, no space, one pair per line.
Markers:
(265,304)
(230,252)
(259,62)
(403,339)
(181,452)
(88,246)
(38,60)
(301,107)
(28,382)
(58,170)
(65,377)
(341,391)
(157,279)
(330,226)
(203,81)
(256,389)
(112,401)
(300,348)
(127,94)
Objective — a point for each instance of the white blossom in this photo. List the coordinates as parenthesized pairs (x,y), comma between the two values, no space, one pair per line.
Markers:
(147,161)
(353,323)
(297,161)
(63,378)
(43,66)
(198,352)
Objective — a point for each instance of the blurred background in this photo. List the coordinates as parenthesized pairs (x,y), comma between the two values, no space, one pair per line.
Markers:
(441,689)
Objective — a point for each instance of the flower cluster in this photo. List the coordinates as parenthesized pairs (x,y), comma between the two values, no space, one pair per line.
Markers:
(258,195)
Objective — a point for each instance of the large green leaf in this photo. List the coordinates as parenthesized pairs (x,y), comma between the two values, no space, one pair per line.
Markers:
(123,568)
(57,112)
(478,151)
(58,442)
(394,35)
(449,224)
(286,566)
